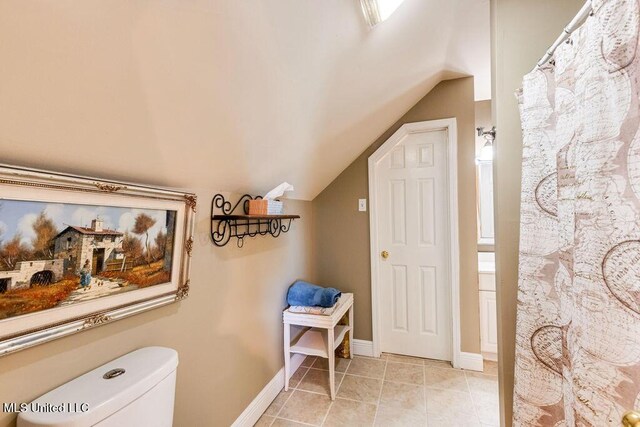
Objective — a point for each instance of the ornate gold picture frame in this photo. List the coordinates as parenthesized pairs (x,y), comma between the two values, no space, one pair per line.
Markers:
(78,252)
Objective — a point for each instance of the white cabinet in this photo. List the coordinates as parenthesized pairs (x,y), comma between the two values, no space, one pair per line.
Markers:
(488,323)
(488,312)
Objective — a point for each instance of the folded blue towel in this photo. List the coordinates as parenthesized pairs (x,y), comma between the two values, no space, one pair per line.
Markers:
(309,295)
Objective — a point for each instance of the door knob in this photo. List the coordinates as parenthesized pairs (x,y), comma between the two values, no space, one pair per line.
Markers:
(385,254)
(631,419)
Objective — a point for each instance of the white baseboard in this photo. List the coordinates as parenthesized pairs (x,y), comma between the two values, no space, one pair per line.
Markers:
(471,361)
(362,347)
(262,401)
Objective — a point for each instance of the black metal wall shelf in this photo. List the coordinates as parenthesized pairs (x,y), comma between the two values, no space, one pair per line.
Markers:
(226,224)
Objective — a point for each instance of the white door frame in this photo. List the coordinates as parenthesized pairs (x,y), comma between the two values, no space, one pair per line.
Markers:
(450,126)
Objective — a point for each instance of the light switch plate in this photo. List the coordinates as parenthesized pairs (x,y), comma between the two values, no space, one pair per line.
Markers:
(362,205)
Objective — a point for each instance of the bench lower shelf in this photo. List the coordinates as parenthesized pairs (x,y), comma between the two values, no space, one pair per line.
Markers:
(313,342)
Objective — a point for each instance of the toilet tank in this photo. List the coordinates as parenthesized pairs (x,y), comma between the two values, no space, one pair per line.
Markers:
(134,390)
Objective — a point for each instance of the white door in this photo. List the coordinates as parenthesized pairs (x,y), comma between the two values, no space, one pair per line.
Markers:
(412,226)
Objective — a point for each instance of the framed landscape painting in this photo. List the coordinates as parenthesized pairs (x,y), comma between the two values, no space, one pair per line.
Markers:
(77,252)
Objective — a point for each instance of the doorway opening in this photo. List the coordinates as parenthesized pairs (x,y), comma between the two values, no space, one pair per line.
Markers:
(42,278)
(97,265)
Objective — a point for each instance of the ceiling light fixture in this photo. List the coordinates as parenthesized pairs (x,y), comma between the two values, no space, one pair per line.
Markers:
(376,11)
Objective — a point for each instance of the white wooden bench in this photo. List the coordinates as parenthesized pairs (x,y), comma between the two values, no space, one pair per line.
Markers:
(321,338)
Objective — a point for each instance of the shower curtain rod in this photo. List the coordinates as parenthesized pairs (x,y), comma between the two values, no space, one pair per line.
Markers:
(573,25)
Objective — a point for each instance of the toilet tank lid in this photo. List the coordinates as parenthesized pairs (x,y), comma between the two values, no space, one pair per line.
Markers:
(144,368)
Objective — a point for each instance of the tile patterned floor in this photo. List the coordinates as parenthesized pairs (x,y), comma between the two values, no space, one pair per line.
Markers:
(390,391)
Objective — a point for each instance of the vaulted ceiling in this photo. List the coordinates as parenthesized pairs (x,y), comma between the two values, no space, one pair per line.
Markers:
(231,95)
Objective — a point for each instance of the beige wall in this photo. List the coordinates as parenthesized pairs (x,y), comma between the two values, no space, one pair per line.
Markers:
(342,233)
(228,333)
(521,32)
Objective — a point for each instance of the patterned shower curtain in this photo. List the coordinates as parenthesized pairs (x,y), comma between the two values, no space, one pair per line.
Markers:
(578,329)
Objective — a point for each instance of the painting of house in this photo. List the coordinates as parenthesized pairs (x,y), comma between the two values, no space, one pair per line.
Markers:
(100,246)
(58,254)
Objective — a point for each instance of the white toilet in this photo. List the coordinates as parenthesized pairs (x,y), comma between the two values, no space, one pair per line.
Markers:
(135,390)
